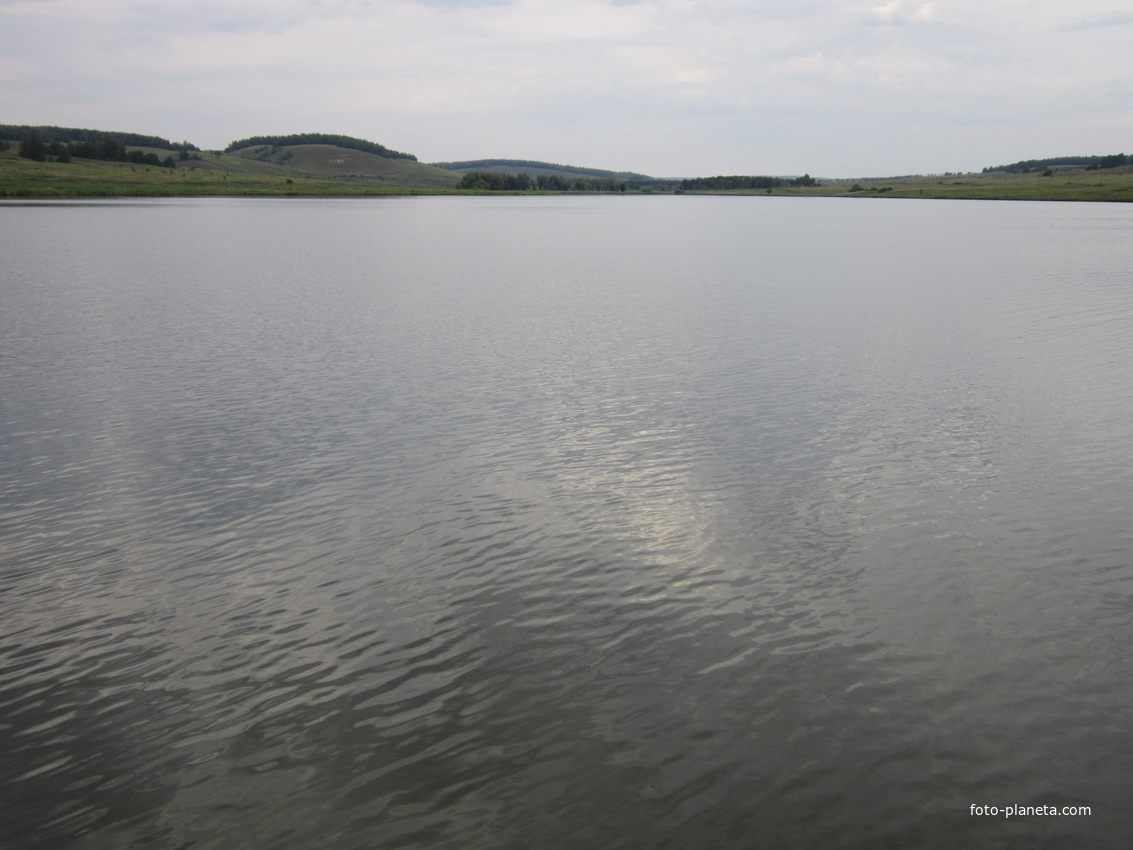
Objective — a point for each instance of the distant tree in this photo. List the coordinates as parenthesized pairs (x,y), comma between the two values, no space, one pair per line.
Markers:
(1113,160)
(140,157)
(85,150)
(111,149)
(478,180)
(491,181)
(551,183)
(33,148)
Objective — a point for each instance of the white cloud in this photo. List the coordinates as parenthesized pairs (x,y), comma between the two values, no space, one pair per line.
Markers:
(898,12)
(888,12)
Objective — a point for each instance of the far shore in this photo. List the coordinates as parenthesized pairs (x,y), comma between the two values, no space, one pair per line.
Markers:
(22,179)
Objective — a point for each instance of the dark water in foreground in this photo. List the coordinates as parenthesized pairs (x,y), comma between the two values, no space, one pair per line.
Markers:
(565,522)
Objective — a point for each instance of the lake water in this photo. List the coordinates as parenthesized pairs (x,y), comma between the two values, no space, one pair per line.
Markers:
(565,522)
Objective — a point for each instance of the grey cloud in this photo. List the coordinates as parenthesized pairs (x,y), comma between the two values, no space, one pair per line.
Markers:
(1117,19)
(463,4)
(154,19)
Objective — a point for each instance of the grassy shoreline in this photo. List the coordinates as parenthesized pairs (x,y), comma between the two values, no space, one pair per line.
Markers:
(22,179)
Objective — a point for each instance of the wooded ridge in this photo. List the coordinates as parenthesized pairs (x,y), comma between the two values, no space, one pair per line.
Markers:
(348,142)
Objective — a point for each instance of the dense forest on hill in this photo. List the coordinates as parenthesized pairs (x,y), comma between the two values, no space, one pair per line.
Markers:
(1090,162)
(65,135)
(348,142)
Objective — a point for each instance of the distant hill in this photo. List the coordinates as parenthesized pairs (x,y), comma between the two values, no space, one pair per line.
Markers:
(535,168)
(261,161)
(324,161)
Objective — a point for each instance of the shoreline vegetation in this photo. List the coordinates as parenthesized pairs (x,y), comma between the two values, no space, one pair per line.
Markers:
(42,163)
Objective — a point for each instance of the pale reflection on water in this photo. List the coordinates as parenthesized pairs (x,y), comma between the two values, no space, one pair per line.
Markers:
(615,522)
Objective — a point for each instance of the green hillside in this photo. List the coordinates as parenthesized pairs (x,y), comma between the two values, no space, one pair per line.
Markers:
(215,174)
(334,139)
(307,169)
(332,162)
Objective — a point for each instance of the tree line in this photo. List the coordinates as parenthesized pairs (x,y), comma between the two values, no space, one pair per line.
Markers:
(573,170)
(348,142)
(522,182)
(109,149)
(67,135)
(740,181)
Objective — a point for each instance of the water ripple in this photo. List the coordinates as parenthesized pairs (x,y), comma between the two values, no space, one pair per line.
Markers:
(328,537)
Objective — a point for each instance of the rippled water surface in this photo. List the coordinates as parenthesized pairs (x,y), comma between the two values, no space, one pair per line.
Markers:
(565,522)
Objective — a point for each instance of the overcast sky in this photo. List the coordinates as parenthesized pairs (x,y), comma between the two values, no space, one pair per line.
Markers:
(666,88)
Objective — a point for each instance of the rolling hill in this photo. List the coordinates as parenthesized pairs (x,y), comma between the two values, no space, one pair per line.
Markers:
(331,162)
(75,161)
(536,168)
